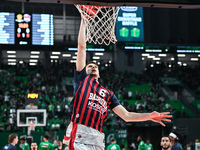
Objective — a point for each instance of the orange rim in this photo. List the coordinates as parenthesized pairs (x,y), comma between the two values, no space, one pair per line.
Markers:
(31,124)
(92,10)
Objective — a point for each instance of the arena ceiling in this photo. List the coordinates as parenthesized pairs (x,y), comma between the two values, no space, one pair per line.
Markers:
(32,57)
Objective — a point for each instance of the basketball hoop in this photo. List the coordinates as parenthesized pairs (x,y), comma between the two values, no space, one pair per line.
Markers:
(100,23)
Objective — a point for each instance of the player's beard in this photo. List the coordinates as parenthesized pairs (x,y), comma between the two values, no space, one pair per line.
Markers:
(165,147)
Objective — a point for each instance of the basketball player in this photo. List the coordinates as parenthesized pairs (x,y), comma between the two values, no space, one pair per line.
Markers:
(174,137)
(25,144)
(165,143)
(148,145)
(45,145)
(91,103)
(12,140)
(141,145)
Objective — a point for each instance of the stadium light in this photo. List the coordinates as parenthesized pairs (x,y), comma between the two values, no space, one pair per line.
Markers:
(32,64)
(96,57)
(12,64)
(33,60)
(99,54)
(35,52)
(54,57)
(145,54)
(34,56)
(162,55)
(194,59)
(11,56)
(151,56)
(11,60)
(56,53)
(184,64)
(66,55)
(156,58)
(74,57)
(181,55)
(11,52)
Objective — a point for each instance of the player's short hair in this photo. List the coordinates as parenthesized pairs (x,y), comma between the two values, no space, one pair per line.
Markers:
(11,137)
(166,137)
(23,139)
(141,136)
(46,137)
(91,62)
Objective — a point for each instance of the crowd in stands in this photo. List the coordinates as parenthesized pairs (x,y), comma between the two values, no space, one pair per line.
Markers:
(17,81)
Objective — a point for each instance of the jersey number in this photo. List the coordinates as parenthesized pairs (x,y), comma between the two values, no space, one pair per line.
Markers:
(102,92)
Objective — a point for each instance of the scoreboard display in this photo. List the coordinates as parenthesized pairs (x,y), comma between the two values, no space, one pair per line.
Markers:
(7,28)
(23,28)
(129,24)
(42,29)
(26,29)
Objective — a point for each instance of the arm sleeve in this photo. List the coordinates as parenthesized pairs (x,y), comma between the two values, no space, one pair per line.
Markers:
(114,101)
(78,77)
(52,147)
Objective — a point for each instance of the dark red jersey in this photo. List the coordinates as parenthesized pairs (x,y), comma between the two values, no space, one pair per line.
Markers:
(91,101)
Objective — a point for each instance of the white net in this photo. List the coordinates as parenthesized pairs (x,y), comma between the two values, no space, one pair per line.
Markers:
(31,128)
(100,23)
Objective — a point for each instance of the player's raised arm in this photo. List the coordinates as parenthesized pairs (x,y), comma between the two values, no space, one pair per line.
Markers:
(135,117)
(81,56)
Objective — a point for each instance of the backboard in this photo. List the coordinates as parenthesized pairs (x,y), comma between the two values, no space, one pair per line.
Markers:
(25,117)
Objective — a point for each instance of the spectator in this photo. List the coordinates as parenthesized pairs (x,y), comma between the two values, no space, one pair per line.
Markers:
(57,145)
(34,146)
(25,144)
(113,145)
(130,94)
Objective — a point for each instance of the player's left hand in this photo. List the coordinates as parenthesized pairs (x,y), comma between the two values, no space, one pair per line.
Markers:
(159,117)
